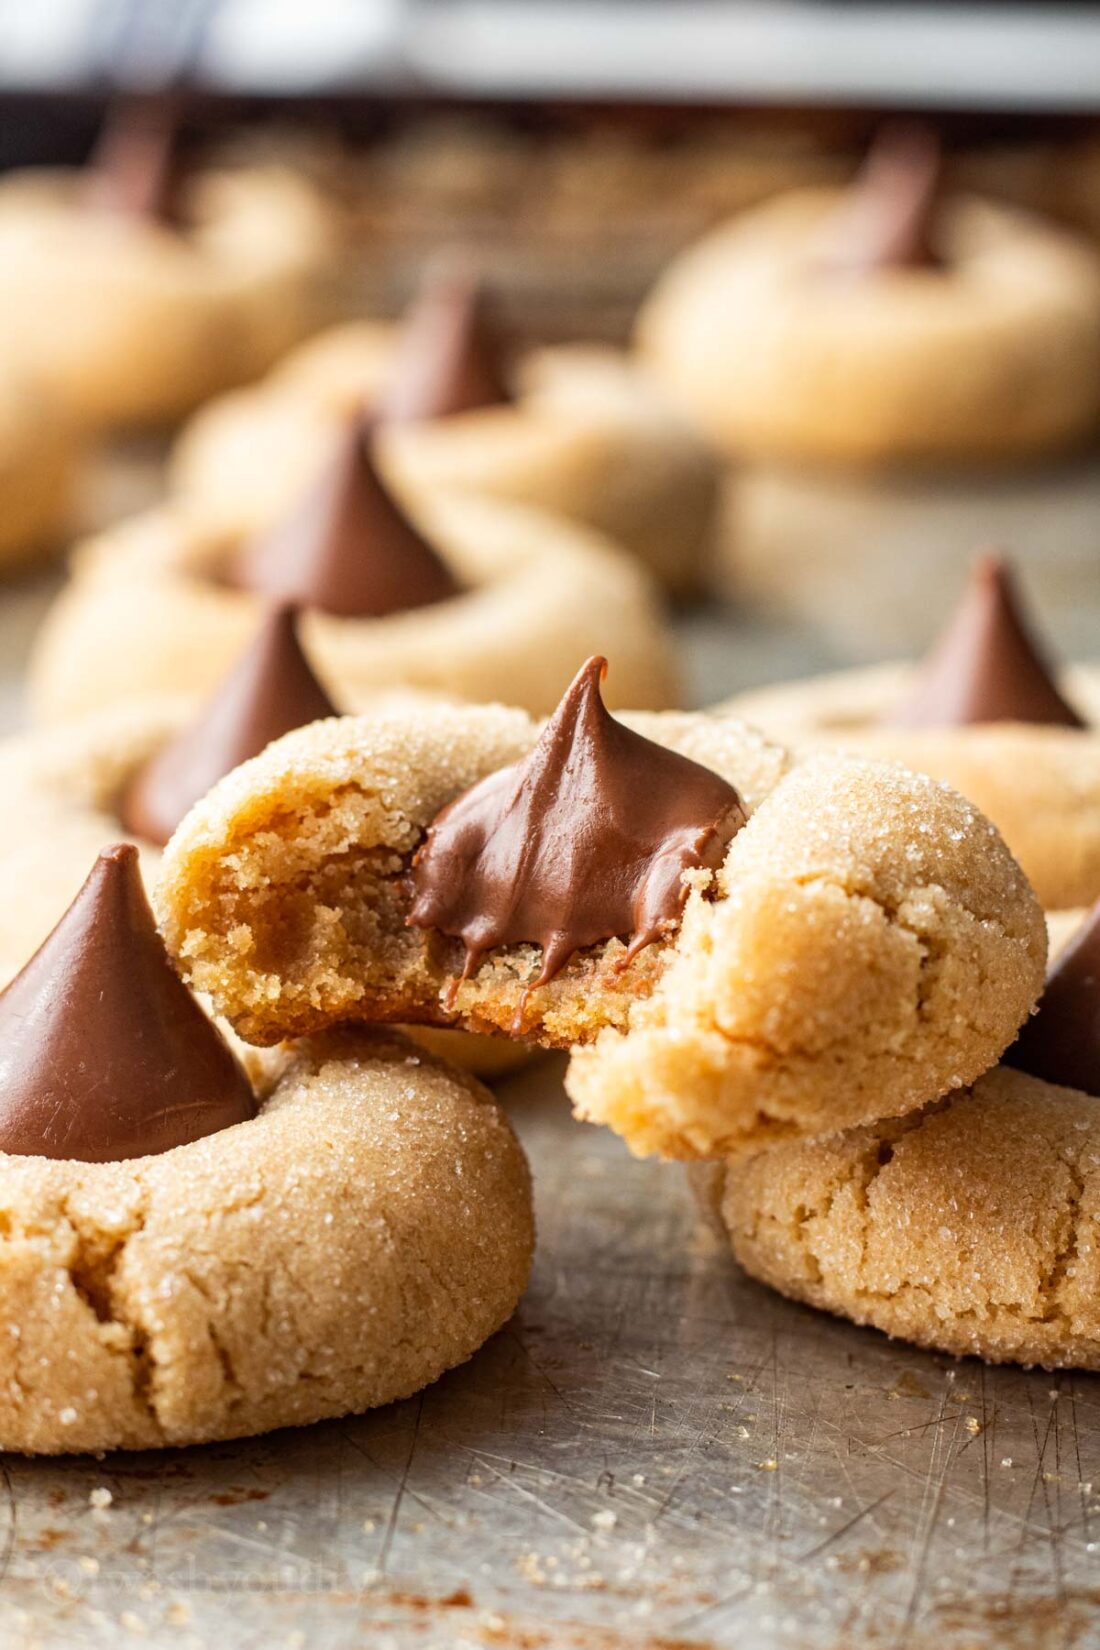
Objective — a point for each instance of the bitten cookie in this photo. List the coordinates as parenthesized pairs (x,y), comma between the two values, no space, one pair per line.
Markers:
(467,596)
(737,952)
(576,430)
(884,324)
(131,308)
(184,1258)
(987,715)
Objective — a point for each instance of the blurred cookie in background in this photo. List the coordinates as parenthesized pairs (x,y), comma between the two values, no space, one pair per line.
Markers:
(460,594)
(894,322)
(575,429)
(137,285)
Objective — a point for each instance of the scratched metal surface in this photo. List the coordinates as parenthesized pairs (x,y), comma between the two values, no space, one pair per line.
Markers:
(656,1452)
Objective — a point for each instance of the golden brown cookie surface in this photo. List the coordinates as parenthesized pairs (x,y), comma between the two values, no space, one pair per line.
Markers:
(40,458)
(968,1227)
(319,1259)
(866,940)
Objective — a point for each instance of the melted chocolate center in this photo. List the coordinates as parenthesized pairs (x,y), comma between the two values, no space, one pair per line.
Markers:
(986,667)
(450,358)
(1061,1041)
(135,168)
(347,547)
(588,838)
(104,1053)
(888,220)
(270,691)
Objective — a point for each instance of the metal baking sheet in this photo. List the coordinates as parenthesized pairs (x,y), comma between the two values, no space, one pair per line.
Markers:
(656,1452)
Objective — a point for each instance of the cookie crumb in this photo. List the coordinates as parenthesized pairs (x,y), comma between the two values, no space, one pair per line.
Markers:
(605,1520)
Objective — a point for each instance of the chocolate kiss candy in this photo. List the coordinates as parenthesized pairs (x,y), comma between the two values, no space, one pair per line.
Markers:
(346,547)
(888,219)
(1061,1041)
(449,360)
(587,838)
(270,691)
(985,667)
(104,1053)
(134,169)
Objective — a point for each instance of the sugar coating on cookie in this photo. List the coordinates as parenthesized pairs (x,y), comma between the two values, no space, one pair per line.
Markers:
(370,1228)
(868,940)
(969,1227)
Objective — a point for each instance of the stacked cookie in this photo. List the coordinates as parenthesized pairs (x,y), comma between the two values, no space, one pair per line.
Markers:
(898,370)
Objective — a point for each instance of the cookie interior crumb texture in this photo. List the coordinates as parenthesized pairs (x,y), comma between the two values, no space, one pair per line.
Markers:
(967,1227)
(868,944)
(370,1228)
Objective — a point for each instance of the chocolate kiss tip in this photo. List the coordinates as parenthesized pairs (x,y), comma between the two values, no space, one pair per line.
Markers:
(347,548)
(450,359)
(1061,1041)
(134,168)
(986,667)
(587,839)
(887,220)
(104,1053)
(270,691)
